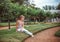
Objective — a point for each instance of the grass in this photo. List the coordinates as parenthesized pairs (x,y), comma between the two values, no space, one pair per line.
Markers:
(57,33)
(13,36)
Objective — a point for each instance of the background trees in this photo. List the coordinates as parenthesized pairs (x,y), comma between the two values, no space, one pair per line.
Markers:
(48,7)
(8,10)
(11,9)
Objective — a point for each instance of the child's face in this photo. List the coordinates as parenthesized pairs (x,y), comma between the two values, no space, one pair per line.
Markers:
(22,18)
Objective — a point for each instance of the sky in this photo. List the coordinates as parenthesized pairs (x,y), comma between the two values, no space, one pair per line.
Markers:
(41,3)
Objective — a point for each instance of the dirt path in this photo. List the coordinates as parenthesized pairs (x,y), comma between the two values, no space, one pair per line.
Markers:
(1,28)
(45,36)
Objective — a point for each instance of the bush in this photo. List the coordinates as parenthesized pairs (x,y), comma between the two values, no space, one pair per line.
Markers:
(57,33)
(3,24)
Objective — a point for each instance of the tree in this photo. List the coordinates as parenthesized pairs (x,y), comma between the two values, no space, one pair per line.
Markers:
(20,1)
(47,16)
(58,7)
(48,7)
(9,10)
(45,7)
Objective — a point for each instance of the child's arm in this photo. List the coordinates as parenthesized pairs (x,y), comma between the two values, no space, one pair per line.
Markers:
(23,25)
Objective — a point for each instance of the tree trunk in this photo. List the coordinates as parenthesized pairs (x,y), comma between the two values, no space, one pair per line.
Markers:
(8,23)
(46,19)
(57,19)
(0,19)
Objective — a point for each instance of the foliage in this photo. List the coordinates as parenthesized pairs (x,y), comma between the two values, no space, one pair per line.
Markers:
(49,7)
(57,33)
(10,9)
(58,7)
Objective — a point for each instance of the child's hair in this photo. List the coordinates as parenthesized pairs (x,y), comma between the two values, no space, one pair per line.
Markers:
(21,16)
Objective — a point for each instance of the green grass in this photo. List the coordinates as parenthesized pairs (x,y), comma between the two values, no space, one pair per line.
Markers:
(57,33)
(13,36)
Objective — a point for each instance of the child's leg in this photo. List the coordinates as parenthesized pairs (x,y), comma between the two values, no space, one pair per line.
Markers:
(27,32)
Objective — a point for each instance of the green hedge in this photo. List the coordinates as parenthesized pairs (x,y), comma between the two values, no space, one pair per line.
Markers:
(57,33)
(14,23)
(6,24)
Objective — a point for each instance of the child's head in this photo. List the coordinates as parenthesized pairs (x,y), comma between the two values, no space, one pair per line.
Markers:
(21,17)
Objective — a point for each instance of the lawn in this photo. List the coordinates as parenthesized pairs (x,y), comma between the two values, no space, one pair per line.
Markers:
(13,36)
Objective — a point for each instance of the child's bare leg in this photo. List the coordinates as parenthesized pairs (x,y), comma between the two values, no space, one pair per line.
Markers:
(27,32)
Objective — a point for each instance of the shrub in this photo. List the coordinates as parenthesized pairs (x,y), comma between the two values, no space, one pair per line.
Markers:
(57,33)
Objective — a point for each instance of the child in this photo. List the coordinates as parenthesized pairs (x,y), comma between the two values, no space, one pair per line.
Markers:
(20,26)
